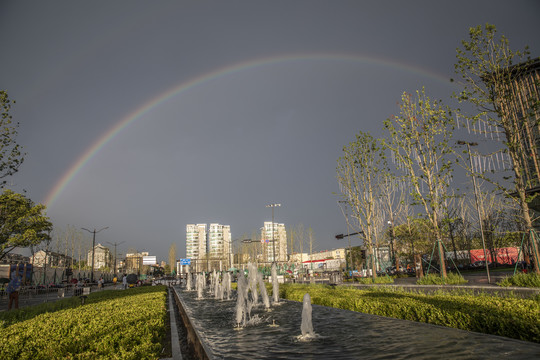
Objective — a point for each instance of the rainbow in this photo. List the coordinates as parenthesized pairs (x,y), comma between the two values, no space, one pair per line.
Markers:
(108,136)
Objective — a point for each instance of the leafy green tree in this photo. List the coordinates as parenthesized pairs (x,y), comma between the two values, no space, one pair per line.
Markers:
(22,223)
(358,258)
(420,141)
(11,156)
(413,237)
(494,80)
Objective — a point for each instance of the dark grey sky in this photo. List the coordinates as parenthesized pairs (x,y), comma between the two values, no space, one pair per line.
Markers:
(223,148)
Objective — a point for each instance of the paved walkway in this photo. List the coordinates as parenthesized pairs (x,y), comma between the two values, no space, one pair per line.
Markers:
(29,297)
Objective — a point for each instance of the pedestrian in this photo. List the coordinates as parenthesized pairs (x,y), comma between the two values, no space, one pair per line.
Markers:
(13,290)
(100,283)
(124,282)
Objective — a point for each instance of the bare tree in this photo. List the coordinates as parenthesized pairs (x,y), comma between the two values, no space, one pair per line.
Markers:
(358,181)
(391,204)
(419,141)
(172,257)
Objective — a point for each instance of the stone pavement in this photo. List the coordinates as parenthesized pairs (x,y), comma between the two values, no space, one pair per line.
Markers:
(30,297)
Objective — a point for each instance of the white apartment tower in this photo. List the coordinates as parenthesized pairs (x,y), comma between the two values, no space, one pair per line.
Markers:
(195,241)
(219,241)
(280,239)
(208,250)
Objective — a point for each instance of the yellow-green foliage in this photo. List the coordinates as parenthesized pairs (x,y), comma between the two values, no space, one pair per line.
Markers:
(521,279)
(377,280)
(112,324)
(510,317)
(434,279)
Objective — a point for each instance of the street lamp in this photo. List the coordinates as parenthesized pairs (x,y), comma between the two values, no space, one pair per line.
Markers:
(348,235)
(273,241)
(469,144)
(93,248)
(115,244)
(245,241)
(392,254)
(341,236)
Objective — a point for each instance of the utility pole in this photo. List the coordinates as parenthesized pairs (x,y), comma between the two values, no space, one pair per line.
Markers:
(115,244)
(393,258)
(469,144)
(45,265)
(94,248)
(348,235)
(273,240)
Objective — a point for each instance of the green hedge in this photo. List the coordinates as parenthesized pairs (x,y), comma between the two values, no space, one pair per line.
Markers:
(113,324)
(521,279)
(378,280)
(435,279)
(510,317)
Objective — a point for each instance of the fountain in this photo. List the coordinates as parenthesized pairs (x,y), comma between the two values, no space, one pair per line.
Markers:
(264,293)
(307,325)
(200,285)
(240,301)
(227,285)
(341,334)
(252,284)
(188,280)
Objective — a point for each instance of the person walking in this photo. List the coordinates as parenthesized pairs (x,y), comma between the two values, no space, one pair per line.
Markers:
(13,290)
(124,282)
(100,283)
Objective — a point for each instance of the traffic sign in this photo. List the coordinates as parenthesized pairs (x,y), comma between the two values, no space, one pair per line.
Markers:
(185,261)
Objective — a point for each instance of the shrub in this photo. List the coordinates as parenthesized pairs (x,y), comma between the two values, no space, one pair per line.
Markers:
(126,324)
(377,280)
(434,279)
(521,279)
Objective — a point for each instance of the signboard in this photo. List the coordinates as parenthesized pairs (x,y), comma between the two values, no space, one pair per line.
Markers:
(149,260)
(185,261)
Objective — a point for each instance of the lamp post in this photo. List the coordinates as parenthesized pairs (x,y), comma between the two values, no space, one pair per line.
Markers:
(94,248)
(469,144)
(273,241)
(245,241)
(115,244)
(348,235)
(392,254)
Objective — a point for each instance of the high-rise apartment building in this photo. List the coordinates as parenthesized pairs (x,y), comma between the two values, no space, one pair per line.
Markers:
(195,241)
(274,234)
(219,241)
(208,249)
(524,113)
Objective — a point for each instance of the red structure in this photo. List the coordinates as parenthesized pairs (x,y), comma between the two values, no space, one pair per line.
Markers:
(507,255)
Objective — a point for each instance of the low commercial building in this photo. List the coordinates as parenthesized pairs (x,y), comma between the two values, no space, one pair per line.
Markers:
(52,258)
